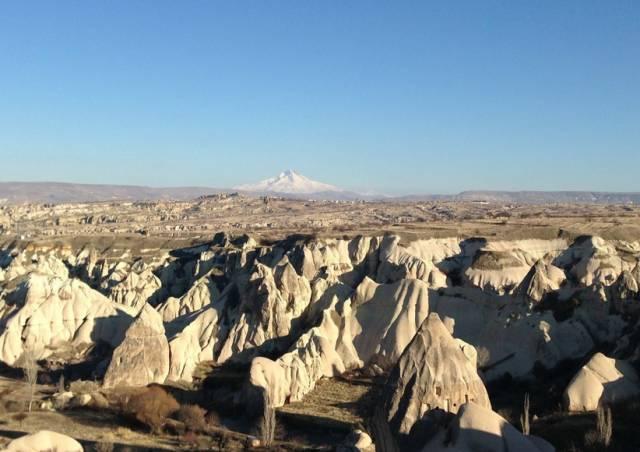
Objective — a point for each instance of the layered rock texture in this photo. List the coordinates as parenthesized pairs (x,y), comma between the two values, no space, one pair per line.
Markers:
(143,356)
(435,371)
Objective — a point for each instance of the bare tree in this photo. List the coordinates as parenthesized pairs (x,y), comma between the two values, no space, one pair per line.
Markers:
(61,387)
(524,418)
(268,421)
(30,370)
(604,425)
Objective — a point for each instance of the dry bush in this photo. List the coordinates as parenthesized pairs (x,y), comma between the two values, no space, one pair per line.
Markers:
(152,407)
(193,417)
(189,438)
(103,447)
(3,393)
(19,417)
(213,418)
(223,439)
(123,432)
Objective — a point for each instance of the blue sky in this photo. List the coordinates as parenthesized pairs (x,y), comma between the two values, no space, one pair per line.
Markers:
(394,97)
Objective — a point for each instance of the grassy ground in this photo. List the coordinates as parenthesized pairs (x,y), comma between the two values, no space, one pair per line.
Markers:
(93,427)
(336,403)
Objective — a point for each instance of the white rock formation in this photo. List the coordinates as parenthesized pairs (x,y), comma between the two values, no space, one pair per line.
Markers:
(370,329)
(60,313)
(500,266)
(46,264)
(433,373)
(543,278)
(257,312)
(128,287)
(602,380)
(143,356)
(478,429)
(592,260)
(44,441)
(416,262)
(200,295)
(196,341)
(509,338)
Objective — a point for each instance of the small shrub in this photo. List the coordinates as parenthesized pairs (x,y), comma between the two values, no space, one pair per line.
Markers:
(193,417)
(190,438)
(152,407)
(223,440)
(19,417)
(103,447)
(99,401)
(123,432)
(591,440)
(213,418)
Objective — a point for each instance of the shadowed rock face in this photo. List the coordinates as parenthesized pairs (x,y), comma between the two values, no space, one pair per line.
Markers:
(143,356)
(478,429)
(434,372)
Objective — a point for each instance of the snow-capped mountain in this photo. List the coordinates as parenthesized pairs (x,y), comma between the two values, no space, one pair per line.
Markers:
(289,182)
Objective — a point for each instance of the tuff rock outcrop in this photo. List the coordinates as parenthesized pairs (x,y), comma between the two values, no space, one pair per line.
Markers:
(370,329)
(143,356)
(50,314)
(434,372)
(478,429)
(601,381)
(320,307)
(44,441)
(201,294)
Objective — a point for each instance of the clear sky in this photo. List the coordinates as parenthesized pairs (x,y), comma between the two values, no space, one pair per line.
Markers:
(386,96)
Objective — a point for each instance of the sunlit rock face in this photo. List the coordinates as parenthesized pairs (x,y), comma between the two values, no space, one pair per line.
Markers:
(601,381)
(317,307)
(143,355)
(47,314)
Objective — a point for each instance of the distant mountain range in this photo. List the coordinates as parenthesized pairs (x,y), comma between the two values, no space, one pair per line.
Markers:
(287,184)
(60,192)
(533,197)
